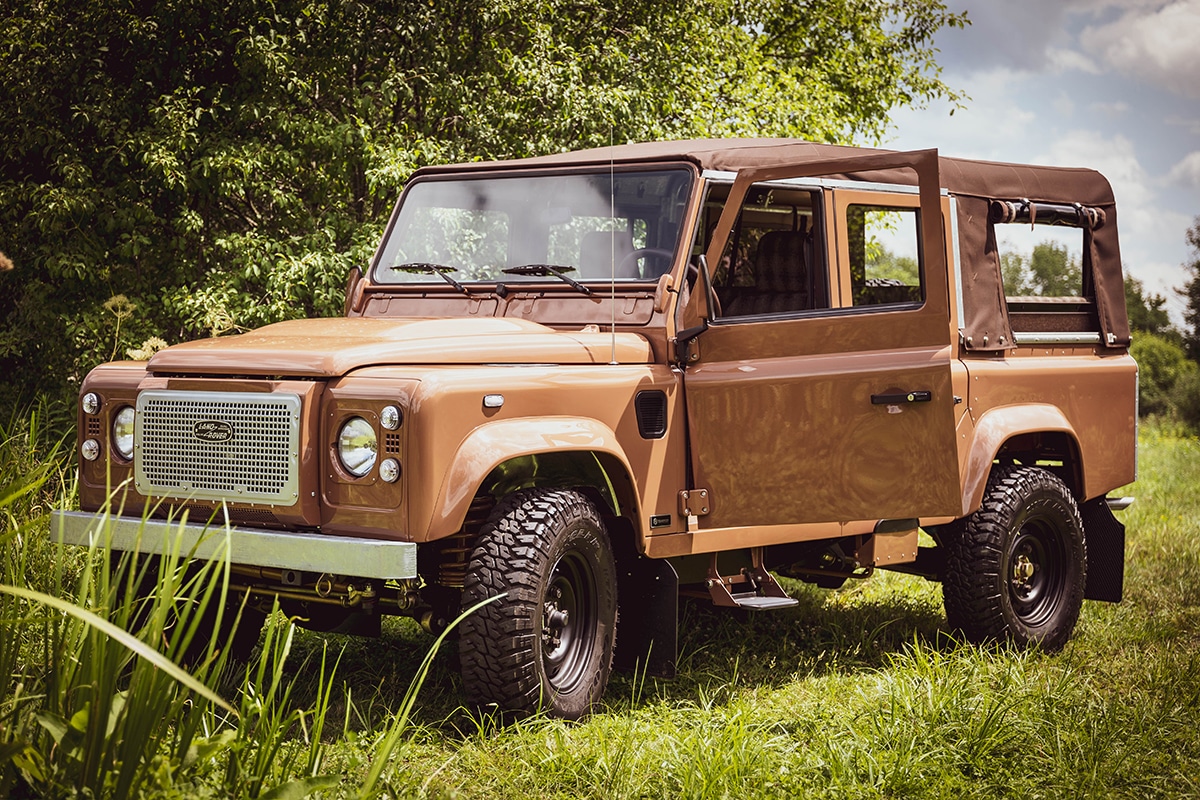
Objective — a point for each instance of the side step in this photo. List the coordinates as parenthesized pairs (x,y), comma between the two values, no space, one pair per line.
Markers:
(753,588)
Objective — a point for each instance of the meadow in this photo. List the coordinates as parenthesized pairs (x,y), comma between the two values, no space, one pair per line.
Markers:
(859,692)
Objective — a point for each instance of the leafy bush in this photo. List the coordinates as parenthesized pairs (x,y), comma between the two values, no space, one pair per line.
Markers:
(1161,364)
(1185,399)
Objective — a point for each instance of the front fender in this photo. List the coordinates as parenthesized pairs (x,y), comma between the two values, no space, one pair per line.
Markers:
(494,443)
(996,427)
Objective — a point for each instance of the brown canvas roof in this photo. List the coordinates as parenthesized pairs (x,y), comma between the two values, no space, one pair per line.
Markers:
(974,183)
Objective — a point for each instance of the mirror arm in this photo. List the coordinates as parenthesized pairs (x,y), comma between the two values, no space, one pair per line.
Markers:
(684,337)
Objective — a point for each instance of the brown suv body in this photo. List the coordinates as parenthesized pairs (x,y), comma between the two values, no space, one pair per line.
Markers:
(751,382)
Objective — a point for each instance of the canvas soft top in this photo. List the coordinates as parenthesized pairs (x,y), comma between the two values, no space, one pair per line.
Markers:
(973,183)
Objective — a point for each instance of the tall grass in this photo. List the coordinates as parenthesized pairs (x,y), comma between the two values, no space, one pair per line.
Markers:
(93,701)
(855,693)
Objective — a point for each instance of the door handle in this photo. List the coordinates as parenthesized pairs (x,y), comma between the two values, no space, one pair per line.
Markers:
(918,396)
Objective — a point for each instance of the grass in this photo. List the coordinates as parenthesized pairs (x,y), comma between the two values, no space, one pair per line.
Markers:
(855,693)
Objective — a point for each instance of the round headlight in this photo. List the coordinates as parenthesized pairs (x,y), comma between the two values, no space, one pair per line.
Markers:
(122,432)
(357,446)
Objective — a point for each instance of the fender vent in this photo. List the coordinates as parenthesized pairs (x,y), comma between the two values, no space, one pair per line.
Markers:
(651,407)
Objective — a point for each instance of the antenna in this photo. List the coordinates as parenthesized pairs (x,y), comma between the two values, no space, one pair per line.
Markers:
(612,260)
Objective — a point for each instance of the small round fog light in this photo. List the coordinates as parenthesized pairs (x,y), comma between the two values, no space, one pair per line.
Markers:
(389,470)
(390,418)
(91,403)
(90,449)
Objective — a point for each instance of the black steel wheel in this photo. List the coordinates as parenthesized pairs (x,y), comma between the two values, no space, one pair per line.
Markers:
(1016,570)
(548,644)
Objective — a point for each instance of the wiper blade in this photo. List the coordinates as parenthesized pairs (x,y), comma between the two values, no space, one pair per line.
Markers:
(441,270)
(548,270)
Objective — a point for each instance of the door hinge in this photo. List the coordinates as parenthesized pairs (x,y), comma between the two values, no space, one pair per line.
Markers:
(693,502)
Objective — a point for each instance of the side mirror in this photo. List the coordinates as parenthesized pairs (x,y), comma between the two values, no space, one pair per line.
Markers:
(354,292)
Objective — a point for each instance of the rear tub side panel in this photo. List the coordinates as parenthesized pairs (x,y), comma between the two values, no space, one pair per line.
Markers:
(1088,394)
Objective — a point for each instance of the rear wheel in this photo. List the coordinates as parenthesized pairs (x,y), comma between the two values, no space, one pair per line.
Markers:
(1016,570)
(548,644)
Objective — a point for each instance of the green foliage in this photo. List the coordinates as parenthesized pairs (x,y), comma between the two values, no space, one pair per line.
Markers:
(1147,312)
(1191,295)
(1185,398)
(1161,364)
(1050,270)
(221,166)
(854,693)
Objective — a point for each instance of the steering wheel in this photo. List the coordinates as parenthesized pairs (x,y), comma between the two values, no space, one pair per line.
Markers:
(631,259)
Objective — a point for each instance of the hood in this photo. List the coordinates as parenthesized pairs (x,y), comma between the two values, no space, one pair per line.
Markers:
(336,346)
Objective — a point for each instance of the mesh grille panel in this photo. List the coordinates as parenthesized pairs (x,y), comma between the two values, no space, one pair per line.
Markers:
(216,445)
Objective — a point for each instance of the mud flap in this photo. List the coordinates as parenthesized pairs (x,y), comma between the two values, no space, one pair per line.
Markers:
(648,597)
(1105,536)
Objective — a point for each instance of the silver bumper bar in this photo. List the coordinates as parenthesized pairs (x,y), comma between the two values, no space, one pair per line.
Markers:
(339,555)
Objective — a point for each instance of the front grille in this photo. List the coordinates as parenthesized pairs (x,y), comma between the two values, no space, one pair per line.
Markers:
(229,446)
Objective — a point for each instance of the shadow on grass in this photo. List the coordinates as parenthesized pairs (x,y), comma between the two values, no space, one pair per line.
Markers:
(851,630)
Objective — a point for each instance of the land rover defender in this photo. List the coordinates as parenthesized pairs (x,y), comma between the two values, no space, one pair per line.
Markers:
(593,382)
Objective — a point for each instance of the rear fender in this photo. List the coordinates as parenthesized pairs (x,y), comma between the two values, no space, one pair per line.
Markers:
(1000,425)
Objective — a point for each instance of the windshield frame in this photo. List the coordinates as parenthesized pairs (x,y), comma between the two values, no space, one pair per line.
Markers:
(382,280)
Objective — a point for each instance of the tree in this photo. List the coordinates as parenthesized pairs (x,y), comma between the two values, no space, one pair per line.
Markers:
(1147,312)
(1050,270)
(223,165)
(1161,365)
(1191,295)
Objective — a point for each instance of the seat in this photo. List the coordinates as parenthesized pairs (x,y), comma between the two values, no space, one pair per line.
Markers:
(780,277)
(600,252)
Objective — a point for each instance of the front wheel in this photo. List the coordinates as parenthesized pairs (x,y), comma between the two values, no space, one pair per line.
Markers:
(548,644)
(1016,570)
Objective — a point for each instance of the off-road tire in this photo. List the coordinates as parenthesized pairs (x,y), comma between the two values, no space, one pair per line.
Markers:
(547,551)
(1016,570)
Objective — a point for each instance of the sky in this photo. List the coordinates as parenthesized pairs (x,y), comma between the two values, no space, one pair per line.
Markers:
(1109,84)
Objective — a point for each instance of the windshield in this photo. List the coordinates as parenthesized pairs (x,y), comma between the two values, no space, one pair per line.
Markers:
(590,227)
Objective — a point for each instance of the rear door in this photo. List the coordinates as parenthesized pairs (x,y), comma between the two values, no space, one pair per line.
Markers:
(838,408)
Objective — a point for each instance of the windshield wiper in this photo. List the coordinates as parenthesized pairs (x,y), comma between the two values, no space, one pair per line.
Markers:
(441,270)
(548,270)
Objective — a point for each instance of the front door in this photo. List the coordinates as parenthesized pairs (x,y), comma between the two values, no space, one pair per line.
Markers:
(821,390)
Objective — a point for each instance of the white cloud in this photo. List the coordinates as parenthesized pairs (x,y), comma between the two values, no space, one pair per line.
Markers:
(1114,109)
(1191,125)
(1187,172)
(1158,46)
(1060,60)
(1146,223)
(994,119)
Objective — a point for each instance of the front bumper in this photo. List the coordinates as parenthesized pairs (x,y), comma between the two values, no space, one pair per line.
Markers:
(309,552)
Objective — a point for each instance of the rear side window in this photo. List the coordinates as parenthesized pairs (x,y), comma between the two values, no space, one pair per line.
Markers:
(885,258)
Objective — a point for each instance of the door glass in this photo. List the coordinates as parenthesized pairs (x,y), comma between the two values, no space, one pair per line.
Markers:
(773,262)
(885,262)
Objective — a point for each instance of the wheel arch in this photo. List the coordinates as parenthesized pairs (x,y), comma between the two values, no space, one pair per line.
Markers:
(505,456)
(1025,433)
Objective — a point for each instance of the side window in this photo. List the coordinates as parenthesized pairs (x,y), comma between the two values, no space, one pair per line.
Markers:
(773,262)
(1047,286)
(885,258)
(1040,262)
